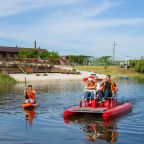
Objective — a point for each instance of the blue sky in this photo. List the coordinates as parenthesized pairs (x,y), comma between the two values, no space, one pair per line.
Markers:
(87,27)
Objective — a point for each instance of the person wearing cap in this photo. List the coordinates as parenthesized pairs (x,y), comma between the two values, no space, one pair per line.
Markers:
(90,89)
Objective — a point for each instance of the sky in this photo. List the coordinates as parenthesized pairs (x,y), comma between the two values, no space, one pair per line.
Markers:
(87,27)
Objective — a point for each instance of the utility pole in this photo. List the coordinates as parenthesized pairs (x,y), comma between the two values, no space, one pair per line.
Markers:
(114,46)
(35,44)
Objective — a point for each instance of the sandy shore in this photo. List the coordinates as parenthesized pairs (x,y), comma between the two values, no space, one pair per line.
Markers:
(52,76)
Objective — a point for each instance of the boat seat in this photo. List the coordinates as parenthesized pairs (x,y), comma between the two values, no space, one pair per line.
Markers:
(113,96)
(108,98)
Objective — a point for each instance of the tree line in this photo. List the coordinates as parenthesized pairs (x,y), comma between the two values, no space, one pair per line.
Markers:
(38,53)
(76,60)
(85,60)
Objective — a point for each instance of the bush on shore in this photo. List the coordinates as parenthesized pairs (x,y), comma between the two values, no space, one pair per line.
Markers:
(6,79)
(138,65)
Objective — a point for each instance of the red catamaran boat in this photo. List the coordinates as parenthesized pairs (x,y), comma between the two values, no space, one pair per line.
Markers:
(108,109)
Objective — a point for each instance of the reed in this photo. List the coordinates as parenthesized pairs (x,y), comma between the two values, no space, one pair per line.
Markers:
(6,79)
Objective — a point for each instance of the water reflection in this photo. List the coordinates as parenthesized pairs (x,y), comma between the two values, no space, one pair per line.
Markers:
(46,122)
(95,128)
(6,88)
(30,115)
(138,80)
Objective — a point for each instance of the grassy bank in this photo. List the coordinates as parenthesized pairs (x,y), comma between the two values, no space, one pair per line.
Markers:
(6,79)
(111,70)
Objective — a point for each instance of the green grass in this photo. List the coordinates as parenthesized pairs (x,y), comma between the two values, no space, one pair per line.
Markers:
(6,79)
(111,70)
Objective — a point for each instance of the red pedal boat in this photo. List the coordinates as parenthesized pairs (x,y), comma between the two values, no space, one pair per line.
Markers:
(108,109)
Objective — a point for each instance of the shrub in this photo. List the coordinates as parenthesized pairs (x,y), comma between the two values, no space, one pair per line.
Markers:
(37,74)
(139,67)
(45,74)
(6,79)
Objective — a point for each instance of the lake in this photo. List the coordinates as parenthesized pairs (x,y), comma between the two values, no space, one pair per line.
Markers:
(46,124)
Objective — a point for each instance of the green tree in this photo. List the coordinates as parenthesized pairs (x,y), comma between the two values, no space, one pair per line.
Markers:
(133,63)
(81,59)
(73,59)
(77,59)
(34,53)
(105,60)
(24,53)
(44,54)
(139,67)
(54,55)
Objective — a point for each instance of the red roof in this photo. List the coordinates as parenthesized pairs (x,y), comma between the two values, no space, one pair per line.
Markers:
(15,49)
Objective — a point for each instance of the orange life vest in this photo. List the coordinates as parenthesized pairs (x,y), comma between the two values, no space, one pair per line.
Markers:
(31,94)
(91,85)
(113,86)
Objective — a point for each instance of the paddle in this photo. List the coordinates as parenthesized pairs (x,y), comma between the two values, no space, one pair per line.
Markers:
(25,88)
(25,82)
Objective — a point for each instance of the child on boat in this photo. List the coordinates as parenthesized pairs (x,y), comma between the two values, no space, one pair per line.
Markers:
(93,89)
(29,95)
(90,89)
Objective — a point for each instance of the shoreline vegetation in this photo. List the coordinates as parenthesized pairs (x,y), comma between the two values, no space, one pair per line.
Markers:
(114,71)
(101,71)
(5,79)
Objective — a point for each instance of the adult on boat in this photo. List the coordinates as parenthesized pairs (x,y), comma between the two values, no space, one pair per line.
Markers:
(90,89)
(109,87)
(30,95)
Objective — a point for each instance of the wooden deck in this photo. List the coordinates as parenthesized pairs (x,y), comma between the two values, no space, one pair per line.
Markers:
(89,110)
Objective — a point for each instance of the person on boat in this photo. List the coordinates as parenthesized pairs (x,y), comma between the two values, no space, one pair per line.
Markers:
(109,87)
(90,89)
(30,93)
(99,92)
(27,100)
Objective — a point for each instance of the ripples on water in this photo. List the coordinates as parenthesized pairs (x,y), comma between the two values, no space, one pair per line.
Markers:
(45,124)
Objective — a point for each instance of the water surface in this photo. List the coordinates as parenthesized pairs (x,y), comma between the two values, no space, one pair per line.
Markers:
(45,124)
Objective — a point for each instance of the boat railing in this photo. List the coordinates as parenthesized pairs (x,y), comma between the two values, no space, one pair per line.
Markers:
(114,96)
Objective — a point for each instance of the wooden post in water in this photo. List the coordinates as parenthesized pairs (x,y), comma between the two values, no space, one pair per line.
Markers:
(25,82)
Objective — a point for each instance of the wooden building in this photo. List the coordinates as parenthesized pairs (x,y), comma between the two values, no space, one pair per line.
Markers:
(7,53)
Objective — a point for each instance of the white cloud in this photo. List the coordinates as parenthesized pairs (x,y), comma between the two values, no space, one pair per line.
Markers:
(72,30)
(100,8)
(12,7)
